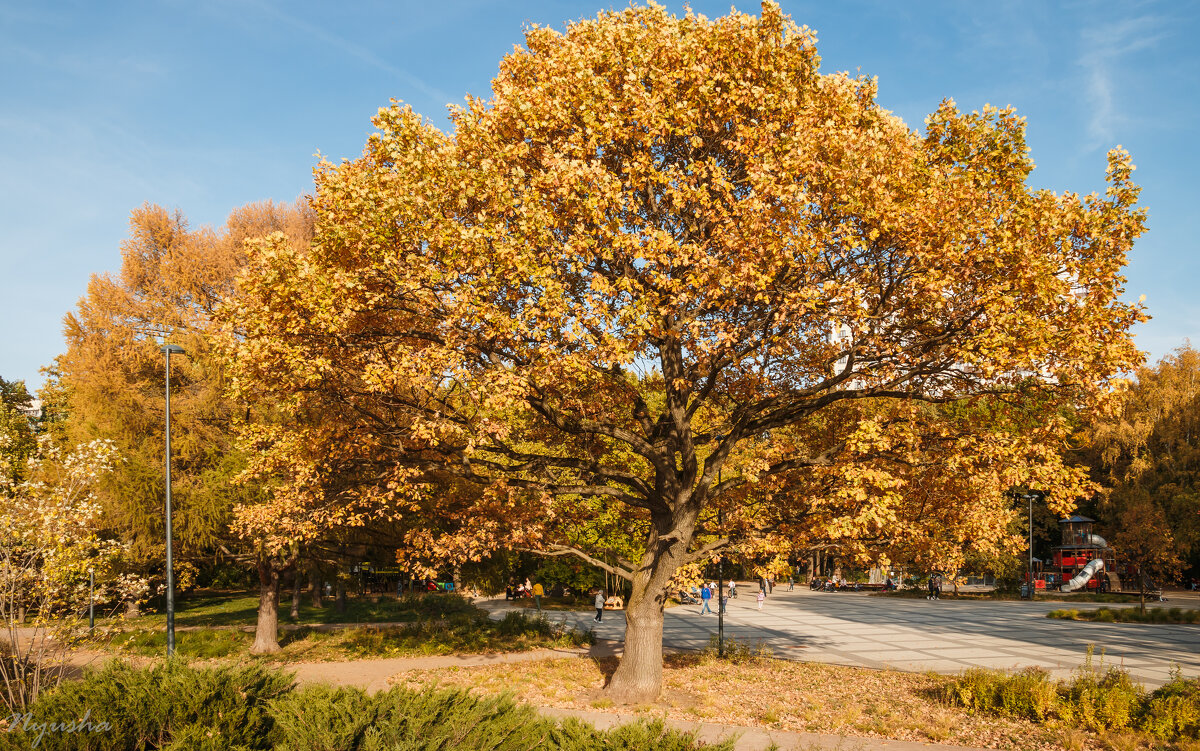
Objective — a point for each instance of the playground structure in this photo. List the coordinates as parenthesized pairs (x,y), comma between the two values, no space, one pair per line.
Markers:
(1083,562)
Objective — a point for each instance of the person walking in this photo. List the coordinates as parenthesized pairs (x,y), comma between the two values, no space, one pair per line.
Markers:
(791,583)
(732,589)
(705,596)
(762,595)
(538,591)
(599,606)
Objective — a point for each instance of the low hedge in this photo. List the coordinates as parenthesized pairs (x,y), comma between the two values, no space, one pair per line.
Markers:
(1128,615)
(176,707)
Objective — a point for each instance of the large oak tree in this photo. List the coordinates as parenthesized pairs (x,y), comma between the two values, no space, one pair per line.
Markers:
(671,268)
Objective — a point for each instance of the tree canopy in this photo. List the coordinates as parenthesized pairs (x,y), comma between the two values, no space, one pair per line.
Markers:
(1146,452)
(668,269)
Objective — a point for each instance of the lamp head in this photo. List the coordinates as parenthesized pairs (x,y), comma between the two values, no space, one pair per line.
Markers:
(173,349)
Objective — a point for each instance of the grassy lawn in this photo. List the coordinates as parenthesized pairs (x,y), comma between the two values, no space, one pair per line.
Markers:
(457,634)
(215,608)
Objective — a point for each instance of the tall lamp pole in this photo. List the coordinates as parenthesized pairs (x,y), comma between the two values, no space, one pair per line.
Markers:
(1032,589)
(168,350)
(720,584)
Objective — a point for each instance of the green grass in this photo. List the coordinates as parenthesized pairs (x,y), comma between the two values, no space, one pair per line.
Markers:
(1128,615)
(458,634)
(209,608)
(202,643)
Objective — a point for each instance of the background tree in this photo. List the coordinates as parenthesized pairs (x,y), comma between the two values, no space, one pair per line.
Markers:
(17,435)
(1147,450)
(50,540)
(172,280)
(616,281)
(1144,539)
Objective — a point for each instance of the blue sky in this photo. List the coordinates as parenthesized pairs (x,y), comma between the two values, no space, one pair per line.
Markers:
(205,106)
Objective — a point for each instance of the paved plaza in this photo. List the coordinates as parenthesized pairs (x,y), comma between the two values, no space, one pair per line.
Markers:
(915,634)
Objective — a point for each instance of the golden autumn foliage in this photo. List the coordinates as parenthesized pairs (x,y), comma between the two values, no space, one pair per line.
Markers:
(671,268)
(1146,451)
(172,280)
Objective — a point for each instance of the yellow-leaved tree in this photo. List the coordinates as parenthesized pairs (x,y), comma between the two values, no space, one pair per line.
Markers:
(668,269)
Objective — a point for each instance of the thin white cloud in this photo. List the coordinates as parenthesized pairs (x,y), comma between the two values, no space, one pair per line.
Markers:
(1104,46)
(355,51)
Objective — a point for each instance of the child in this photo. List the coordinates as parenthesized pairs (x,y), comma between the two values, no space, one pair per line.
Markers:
(761,596)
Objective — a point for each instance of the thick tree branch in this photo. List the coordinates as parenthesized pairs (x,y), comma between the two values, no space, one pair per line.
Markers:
(556,550)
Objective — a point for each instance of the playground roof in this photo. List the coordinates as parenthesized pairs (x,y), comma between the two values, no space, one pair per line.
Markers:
(1076,519)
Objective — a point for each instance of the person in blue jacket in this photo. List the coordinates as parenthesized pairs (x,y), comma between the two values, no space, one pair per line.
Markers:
(705,596)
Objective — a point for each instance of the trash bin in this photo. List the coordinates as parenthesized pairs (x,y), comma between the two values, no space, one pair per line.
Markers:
(1025,592)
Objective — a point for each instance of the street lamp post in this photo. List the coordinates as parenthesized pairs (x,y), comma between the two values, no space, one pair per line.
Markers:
(91,602)
(720,583)
(1032,589)
(168,350)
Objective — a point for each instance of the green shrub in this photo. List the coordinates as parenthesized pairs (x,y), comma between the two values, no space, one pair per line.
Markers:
(1173,711)
(1107,700)
(1129,615)
(1029,694)
(737,651)
(149,708)
(174,707)
(437,605)
(1065,614)
(464,633)
(327,719)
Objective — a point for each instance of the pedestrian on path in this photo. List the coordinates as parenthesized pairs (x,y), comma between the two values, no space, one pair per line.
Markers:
(732,589)
(762,595)
(791,583)
(599,606)
(538,591)
(705,596)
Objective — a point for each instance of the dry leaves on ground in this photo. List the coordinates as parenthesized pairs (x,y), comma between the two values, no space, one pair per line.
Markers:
(769,693)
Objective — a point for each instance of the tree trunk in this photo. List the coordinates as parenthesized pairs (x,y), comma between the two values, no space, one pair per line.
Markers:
(638,678)
(1142,591)
(296,581)
(340,603)
(266,633)
(314,579)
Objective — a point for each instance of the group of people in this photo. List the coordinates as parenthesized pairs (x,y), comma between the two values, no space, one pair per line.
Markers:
(518,591)
(704,594)
(832,584)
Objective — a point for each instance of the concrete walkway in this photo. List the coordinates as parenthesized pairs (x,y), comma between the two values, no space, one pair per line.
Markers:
(947,636)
